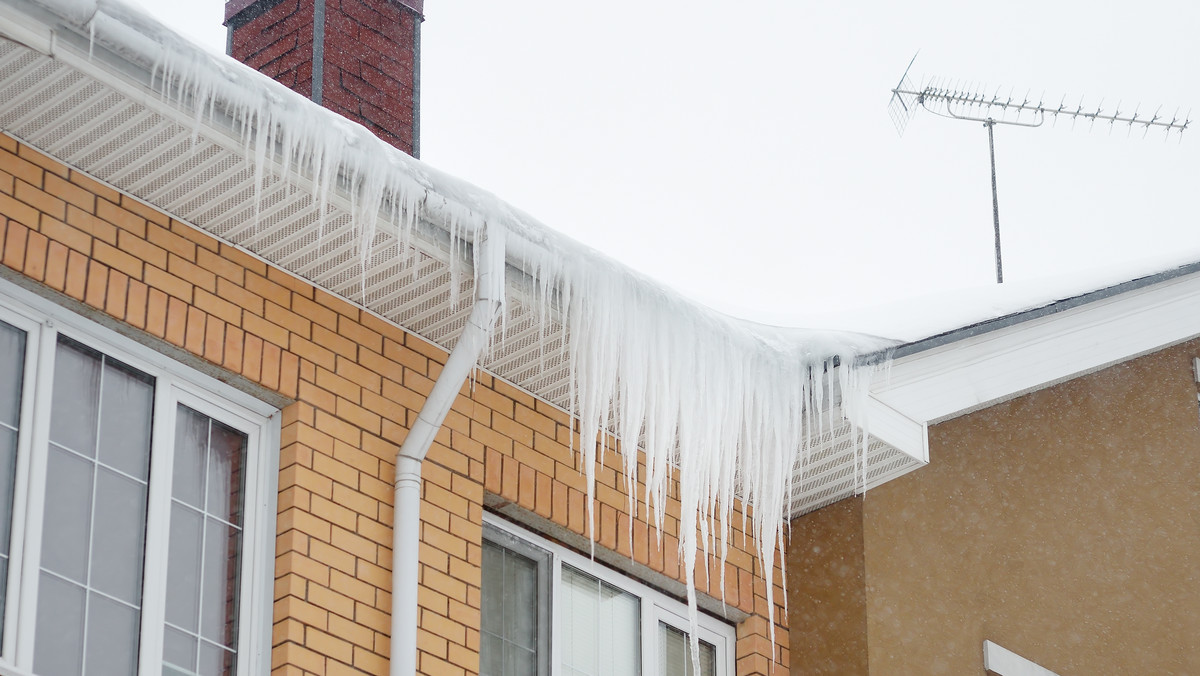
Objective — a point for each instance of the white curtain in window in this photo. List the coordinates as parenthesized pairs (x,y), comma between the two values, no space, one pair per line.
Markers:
(675,655)
(601,627)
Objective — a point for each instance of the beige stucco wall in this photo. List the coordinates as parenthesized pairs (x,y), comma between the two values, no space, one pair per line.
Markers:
(829,607)
(1063,525)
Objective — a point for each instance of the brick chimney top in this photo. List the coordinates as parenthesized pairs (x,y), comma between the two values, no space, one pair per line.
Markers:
(359,58)
(235,7)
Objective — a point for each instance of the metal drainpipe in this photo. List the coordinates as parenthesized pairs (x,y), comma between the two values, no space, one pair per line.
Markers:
(406,533)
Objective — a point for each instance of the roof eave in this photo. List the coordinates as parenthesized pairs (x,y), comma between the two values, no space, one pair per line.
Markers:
(978,366)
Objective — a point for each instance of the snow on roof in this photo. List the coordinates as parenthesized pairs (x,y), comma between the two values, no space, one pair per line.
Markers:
(732,405)
(918,318)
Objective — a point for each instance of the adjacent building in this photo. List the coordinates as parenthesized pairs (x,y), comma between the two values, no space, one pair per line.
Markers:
(1057,518)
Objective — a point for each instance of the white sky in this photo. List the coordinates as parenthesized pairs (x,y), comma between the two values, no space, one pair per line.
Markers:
(742,152)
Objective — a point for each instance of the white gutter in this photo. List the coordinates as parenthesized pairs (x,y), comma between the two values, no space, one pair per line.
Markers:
(406,532)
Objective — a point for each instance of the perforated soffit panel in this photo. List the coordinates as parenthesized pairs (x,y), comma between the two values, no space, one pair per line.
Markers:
(109,132)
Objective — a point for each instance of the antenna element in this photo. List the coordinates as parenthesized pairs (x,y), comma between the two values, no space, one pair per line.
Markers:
(974,104)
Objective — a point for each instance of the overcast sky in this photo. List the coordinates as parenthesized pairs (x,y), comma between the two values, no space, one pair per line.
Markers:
(743,154)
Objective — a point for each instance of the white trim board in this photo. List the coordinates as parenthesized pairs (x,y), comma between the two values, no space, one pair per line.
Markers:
(1004,662)
(978,371)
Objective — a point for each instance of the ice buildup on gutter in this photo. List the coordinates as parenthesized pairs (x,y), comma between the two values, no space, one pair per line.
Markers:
(729,405)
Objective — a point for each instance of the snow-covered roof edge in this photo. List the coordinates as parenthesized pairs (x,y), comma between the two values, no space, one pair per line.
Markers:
(739,400)
(1050,307)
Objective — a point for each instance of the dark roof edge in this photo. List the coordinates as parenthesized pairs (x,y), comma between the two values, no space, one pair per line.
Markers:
(1054,307)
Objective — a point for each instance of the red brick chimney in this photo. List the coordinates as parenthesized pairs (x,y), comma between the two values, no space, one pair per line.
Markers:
(359,58)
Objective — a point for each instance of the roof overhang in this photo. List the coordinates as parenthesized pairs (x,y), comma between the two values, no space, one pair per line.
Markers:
(976,367)
(99,110)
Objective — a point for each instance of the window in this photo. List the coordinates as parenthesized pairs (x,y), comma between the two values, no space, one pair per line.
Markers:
(548,610)
(136,506)
(515,629)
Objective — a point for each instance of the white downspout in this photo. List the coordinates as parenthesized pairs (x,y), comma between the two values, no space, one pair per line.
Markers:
(406,533)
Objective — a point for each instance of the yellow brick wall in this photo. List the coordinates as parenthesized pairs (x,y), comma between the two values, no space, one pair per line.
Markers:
(356,383)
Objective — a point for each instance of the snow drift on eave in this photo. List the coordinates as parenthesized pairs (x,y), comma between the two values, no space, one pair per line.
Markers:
(728,403)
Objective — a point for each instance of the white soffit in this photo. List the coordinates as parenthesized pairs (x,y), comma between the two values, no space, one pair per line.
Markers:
(965,375)
(96,113)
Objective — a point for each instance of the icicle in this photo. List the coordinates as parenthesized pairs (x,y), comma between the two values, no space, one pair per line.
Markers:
(726,408)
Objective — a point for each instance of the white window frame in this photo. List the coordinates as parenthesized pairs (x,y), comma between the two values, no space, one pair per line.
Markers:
(655,606)
(175,383)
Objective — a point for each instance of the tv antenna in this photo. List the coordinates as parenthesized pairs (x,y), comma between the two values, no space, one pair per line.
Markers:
(972,103)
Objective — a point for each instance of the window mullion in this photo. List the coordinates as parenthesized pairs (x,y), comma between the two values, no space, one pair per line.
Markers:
(31,372)
(94,461)
(154,582)
(203,538)
(650,619)
(260,502)
(556,611)
(36,497)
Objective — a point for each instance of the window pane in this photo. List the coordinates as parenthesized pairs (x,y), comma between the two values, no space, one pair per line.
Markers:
(492,621)
(179,651)
(12,367)
(675,655)
(58,649)
(602,627)
(68,515)
(183,576)
(509,625)
(491,654)
(125,418)
(218,602)
(206,536)
(119,536)
(8,471)
(191,438)
(215,660)
(112,637)
(519,661)
(520,600)
(228,452)
(75,410)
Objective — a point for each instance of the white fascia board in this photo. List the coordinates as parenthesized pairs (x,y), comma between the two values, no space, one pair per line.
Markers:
(1003,662)
(969,374)
(26,31)
(898,430)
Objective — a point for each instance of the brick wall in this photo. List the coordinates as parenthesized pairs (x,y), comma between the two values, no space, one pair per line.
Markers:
(367,58)
(356,383)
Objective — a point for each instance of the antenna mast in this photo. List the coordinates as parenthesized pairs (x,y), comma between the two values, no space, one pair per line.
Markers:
(974,105)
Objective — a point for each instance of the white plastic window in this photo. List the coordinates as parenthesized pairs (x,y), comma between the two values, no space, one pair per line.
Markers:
(136,502)
(591,620)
